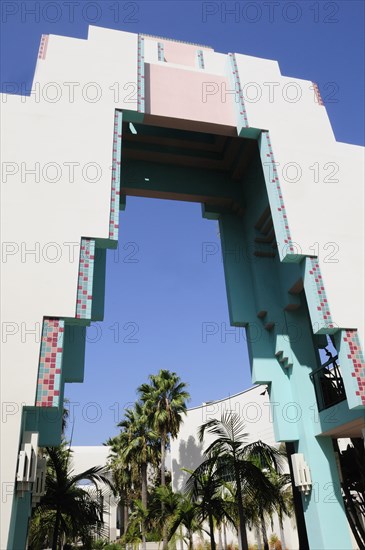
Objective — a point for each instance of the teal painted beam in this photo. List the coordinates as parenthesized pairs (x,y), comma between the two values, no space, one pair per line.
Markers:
(74,353)
(211,213)
(173,150)
(173,133)
(47,421)
(133,116)
(143,177)
(98,293)
(238,278)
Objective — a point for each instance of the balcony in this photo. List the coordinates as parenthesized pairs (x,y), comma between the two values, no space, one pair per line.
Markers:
(328,384)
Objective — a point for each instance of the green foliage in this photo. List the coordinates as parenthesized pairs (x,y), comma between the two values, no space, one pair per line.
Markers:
(165,399)
(99,544)
(247,470)
(102,544)
(140,442)
(186,515)
(237,484)
(275,542)
(67,510)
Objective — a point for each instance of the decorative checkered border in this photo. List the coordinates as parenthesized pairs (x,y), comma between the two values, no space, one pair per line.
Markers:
(49,372)
(200,59)
(115,193)
(355,354)
(313,271)
(85,282)
(43,46)
(155,37)
(140,75)
(269,160)
(160,51)
(237,84)
(317,94)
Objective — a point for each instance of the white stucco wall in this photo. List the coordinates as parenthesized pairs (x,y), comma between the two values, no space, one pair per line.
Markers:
(64,131)
(322,182)
(40,133)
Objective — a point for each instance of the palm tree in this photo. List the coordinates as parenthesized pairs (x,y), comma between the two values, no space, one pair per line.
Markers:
(67,509)
(142,442)
(165,404)
(123,474)
(204,487)
(284,504)
(166,496)
(165,400)
(136,528)
(186,515)
(241,463)
(137,446)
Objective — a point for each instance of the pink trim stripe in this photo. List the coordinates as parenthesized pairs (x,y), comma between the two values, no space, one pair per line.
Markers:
(42,52)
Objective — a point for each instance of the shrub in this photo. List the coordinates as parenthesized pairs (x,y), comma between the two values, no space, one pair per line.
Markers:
(275,543)
(102,544)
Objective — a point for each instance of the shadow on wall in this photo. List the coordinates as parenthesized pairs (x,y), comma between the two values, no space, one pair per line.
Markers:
(190,456)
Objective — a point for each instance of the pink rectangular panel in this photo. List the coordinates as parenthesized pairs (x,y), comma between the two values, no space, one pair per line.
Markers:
(181,54)
(189,95)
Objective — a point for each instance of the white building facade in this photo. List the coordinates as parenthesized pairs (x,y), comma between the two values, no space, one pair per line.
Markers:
(236,157)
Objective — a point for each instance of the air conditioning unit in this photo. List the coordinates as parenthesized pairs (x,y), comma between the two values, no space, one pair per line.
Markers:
(301,472)
(27,463)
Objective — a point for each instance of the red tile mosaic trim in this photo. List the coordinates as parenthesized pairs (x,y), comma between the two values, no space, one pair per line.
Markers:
(140,75)
(356,356)
(115,192)
(43,46)
(268,158)
(317,93)
(85,281)
(323,310)
(238,88)
(50,363)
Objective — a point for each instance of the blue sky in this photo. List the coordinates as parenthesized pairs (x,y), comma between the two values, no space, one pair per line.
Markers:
(162,294)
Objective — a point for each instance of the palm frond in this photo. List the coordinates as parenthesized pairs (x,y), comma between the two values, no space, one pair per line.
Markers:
(264,455)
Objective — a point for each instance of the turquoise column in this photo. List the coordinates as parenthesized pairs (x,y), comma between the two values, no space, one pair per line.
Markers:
(324,506)
(283,357)
(20,517)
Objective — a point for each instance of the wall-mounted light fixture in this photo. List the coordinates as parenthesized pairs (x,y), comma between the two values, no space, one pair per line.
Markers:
(302,475)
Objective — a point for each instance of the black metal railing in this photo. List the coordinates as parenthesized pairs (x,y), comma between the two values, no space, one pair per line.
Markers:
(328,384)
